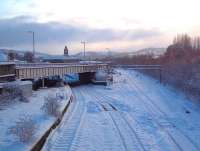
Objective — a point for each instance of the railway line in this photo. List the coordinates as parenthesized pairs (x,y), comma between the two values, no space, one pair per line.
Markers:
(156,110)
(69,128)
(117,119)
(122,118)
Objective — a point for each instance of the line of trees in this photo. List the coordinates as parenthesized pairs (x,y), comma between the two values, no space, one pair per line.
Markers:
(181,64)
(28,56)
(183,50)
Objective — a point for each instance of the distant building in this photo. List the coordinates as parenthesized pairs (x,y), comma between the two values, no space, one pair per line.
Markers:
(61,58)
(66,52)
(7,71)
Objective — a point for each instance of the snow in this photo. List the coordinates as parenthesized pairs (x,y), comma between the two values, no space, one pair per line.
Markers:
(10,114)
(101,76)
(90,62)
(136,113)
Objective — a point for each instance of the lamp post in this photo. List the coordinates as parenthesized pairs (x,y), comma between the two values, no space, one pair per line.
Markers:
(83,42)
(33,40)
(108,51)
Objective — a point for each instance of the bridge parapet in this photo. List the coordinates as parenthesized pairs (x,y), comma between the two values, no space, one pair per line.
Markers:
(31,71)
(7,71)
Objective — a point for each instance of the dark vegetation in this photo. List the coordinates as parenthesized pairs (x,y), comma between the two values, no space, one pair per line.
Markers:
(24,129)
(28,56)
(181,64)
(11,93)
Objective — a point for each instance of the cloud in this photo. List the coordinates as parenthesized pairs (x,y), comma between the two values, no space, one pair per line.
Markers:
(13,32)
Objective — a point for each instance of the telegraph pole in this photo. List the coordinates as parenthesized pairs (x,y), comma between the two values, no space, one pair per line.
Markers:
(83,42)
(33,41)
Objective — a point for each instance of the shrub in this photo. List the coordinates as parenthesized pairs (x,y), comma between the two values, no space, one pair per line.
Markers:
(12,91)
(60,96)
(51,106)
(24,129)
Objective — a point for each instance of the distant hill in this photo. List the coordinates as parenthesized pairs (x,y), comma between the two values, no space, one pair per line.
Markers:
(98,55)
(4,53)
(156,52)
(90,55)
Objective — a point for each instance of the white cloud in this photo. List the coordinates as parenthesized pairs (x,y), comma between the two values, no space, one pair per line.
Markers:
(167,16)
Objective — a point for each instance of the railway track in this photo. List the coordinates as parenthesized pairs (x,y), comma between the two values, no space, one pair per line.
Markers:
(152,107)
(155,120)
(68,130)
(155,110)
(114,125)
(122,125)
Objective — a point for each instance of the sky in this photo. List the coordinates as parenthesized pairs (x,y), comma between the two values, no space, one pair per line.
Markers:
(117,25)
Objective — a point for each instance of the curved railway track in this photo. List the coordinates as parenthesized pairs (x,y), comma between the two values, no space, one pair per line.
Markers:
(68,131)
(116,125)
(118,118)
(155,110)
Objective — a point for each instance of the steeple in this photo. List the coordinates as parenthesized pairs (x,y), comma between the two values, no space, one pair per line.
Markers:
(66,51)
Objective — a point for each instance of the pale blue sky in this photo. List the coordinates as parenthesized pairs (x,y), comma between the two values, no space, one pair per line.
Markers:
(116,24)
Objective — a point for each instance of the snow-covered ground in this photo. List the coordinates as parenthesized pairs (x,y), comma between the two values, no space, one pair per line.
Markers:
(10,114)
(135,113)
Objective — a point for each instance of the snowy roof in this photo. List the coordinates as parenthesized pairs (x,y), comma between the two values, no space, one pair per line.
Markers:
(59,57)
(94,62)
(3,57)
(16,83)
(6,63)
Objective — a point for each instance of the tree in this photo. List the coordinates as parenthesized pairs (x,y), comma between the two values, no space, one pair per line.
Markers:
(29,57)
(11,56)
(184,49)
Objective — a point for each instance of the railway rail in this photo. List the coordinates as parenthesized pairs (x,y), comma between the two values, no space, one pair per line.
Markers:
(106,106)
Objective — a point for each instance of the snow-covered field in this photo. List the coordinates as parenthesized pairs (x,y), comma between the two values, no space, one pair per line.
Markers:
(136,113)
(10,114)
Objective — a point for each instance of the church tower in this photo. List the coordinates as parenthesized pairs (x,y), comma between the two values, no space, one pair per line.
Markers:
(66,51)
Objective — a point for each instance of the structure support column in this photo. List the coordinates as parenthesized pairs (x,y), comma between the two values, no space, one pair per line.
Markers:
(43,84)
(160,72)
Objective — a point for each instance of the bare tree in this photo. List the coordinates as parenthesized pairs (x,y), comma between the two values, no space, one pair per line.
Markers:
(11,56)
(28,56)
(24,129)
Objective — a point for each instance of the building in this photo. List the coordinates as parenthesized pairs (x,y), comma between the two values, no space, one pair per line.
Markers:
(66,51)
(61,58)
(7,71)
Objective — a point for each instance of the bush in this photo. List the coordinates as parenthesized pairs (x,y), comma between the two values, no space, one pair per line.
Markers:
(12,91)
(24,129)
(60,96)
(51,105)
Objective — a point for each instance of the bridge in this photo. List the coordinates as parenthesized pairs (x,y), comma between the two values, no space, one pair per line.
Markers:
(144,67)
(41,70)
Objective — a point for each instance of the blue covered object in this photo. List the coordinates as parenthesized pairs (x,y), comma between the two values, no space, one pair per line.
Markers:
(71,78)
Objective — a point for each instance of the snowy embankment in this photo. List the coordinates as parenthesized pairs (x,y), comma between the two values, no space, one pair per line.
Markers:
(12,113)
(136,113)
